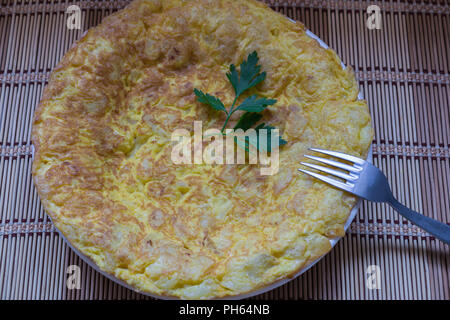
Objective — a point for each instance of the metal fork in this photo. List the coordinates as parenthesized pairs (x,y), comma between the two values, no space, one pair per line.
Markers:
(368,182)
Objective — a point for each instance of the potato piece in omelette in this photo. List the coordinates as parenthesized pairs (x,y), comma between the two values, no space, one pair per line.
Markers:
(102,137)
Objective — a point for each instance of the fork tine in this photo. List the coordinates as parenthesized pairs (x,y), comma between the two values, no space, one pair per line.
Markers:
(333,182)
(335,163)
(339,155)
(336,173)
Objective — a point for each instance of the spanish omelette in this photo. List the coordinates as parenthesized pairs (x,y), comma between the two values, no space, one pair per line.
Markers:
(102,137)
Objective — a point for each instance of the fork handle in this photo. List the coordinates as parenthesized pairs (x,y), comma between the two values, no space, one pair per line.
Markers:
(438,229)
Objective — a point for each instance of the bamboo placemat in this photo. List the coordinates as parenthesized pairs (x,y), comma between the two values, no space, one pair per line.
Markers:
(403,72)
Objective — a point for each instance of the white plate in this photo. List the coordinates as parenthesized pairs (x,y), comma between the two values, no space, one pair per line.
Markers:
(272,286)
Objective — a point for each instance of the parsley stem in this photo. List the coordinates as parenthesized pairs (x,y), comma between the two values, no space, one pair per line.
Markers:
(229,114)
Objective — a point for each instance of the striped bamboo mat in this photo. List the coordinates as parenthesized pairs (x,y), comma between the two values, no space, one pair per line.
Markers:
(403,72)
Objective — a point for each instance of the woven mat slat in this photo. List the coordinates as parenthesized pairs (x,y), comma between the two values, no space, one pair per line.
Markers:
(404,73)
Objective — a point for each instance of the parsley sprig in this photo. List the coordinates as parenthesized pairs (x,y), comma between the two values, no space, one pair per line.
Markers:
(249,76)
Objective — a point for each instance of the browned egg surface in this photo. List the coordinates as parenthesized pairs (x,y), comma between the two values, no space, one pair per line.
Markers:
(102,136)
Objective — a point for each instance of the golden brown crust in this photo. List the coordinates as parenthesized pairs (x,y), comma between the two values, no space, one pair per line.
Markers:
(102,163)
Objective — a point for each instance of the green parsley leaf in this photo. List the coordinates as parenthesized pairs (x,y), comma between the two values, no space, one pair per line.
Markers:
(209,99)
(253,104)
(247,120)
(250,74)
(248,77)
